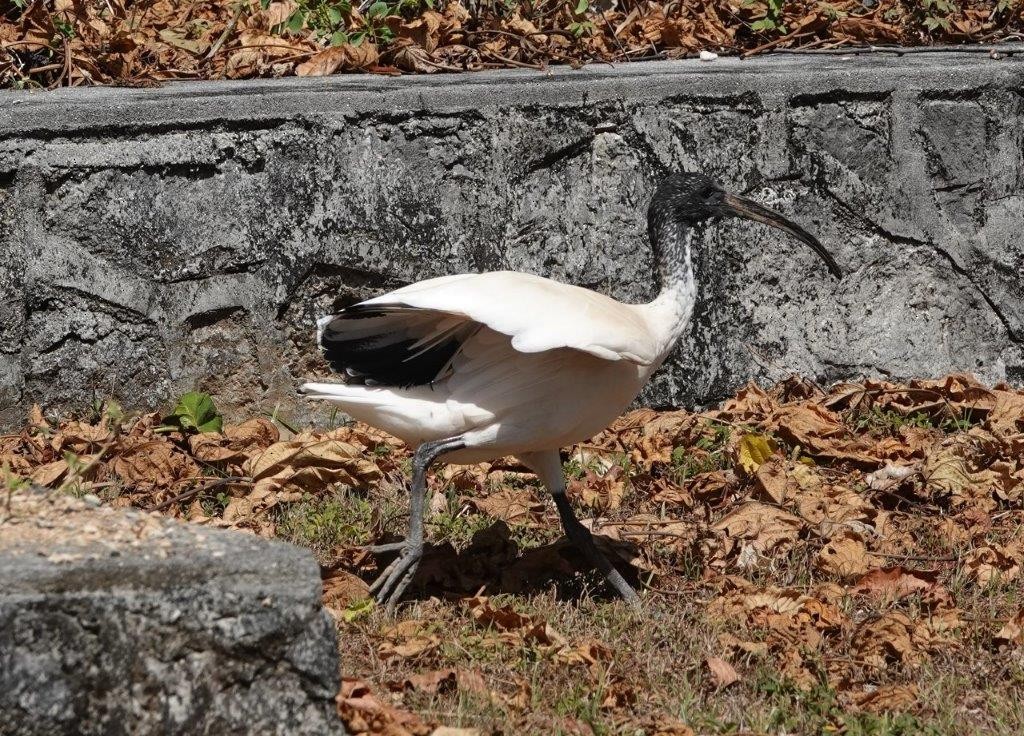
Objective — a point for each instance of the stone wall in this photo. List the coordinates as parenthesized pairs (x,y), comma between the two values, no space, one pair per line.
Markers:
(157,240)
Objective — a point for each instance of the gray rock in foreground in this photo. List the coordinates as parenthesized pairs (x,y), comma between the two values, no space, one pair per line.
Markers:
(126,623)
(155,241)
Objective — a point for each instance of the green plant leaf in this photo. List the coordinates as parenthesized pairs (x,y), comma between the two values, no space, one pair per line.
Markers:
(377,10)
(296,21)
(581,7)
(195,410)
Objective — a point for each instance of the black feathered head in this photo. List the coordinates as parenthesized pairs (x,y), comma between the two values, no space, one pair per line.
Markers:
(688,198)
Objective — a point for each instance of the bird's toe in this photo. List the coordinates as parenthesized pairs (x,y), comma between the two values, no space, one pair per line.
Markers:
(390,585)
(380,549)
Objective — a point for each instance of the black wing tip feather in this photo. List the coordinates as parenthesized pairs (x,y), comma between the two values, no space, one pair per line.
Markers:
(365,360)
(363,310)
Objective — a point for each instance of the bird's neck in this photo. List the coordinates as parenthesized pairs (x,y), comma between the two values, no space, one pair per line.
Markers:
(671,240)
(673,257)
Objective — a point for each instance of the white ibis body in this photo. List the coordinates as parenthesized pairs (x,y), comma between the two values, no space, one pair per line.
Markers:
(475,367)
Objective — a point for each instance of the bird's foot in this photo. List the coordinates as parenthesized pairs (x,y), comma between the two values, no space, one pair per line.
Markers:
(389,586)
(584,541)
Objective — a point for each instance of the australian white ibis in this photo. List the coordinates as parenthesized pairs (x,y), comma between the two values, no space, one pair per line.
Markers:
(479,366)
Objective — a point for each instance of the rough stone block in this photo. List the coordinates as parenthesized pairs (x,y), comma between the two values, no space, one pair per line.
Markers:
(125,622)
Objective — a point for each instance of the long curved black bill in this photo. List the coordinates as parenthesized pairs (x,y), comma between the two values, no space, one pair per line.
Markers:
(748,208)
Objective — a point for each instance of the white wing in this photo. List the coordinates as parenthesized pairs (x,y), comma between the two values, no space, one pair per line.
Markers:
(537,313)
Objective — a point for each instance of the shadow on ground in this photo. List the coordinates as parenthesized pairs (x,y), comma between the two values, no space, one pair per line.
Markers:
(495,563)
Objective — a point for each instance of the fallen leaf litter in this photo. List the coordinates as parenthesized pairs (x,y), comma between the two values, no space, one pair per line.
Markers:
(837,535)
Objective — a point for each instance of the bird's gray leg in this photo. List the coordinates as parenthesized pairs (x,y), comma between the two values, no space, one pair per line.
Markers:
(392,582)
(584,541)
(548,466)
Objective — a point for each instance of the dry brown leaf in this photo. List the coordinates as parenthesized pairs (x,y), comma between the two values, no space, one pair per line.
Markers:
(512,505)
(209,447)
(618,694)
(592,653)
(80,437)
(996,562)
(36,420)
(1012,632)
(412,57)
(669,727)
(723,673)
(423,32)
(335,58)
(886,698)
(278,12)
(846,555)
(504,618)
(407,639)
(771,479)
(248,511)
(808,425)
(310,464)
(886,640)
(50,473)
(151,463)
(362,711)
(1007,415)
(602,493)
(789,614)
(741,646)
(894,582)
(760,529)
(341,588)
(945,471)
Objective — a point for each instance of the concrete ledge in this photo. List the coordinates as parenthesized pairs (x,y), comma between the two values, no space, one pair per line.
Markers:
(123,622)
(156,240)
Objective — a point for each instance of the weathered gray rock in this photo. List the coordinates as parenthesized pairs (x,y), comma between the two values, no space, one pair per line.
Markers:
(125,623)
(154,241)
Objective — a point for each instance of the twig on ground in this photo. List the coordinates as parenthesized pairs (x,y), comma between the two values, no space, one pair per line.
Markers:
(227,32)
(917,558)
(195,491)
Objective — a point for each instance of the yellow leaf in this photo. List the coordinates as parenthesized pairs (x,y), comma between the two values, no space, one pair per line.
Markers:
(357,610)
(754,450)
